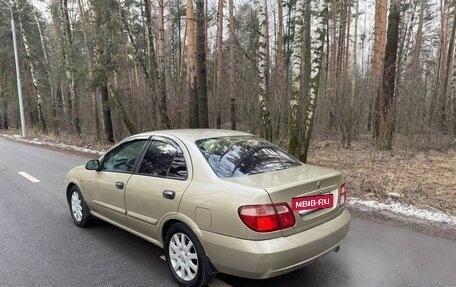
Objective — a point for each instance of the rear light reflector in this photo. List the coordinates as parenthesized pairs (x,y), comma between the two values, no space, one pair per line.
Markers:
(342,195)
(267,217)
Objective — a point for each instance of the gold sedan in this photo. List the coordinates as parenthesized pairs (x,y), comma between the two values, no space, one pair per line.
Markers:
(215,200)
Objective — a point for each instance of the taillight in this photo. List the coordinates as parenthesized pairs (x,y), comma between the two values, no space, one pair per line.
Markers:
(267,217)
(342,195)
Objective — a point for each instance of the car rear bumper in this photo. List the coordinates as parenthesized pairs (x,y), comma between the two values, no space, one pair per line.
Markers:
(269,258)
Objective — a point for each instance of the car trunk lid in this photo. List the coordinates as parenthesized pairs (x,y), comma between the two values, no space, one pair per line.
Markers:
(302,181)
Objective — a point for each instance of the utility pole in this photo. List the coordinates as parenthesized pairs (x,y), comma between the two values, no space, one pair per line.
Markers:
(18,74)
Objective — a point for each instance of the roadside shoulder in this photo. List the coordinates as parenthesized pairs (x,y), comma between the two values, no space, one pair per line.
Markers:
(409,217)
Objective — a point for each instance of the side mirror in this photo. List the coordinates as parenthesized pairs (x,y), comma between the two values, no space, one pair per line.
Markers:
(93,164)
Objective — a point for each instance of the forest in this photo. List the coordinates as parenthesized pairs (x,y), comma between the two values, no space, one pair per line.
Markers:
(287,70)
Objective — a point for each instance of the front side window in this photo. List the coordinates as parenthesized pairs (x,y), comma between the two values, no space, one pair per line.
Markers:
(163,159)
(123,158)
(243,155)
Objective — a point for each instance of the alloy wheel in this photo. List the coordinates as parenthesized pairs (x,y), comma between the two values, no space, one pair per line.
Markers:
(76,206)
(183,256)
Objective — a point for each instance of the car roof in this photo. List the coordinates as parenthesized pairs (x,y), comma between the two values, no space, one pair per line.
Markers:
(194,134)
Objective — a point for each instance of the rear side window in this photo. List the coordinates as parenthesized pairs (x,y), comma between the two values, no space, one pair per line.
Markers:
(244,155)
(163,159)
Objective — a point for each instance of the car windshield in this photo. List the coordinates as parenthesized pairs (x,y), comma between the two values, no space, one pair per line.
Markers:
(243,155)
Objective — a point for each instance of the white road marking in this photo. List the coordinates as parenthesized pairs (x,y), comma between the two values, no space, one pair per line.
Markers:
(215,282)
(28,176)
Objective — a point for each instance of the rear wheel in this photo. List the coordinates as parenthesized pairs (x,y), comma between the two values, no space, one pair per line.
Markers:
(80,213)
(186,257)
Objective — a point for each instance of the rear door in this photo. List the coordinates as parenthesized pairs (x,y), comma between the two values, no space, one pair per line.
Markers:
(155,190)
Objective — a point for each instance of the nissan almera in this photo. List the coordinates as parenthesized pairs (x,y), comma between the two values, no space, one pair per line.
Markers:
(215,201)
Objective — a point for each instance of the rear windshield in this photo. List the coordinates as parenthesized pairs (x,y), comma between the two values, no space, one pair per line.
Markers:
(244,155)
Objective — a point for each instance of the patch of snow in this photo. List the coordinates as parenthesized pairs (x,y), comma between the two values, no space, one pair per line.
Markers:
(406,210)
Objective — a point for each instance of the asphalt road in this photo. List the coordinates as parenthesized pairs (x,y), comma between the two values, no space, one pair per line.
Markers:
(40,245)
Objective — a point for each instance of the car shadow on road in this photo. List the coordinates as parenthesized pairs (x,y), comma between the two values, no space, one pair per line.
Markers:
(132,253)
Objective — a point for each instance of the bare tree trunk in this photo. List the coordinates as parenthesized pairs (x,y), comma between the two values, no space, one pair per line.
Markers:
(344,83)
(48,68)
(438,101)
(39,101)
(154,84)
(161,67)
(294,145)
(418,38)
(379,54)
(192,66)
(181,49)
(218,65)
(446,77)
(306,62)
(107,119)
(319,30)
(201,65)
(151,61)
(263,72)
(69,68)
(332,73)
(288,47)
(453,95)
(180,71)
(348,18)
(232,72)
(142,63)
(354,80)
(93,93)
(386,116)
(405,36)
(102,82)
(58,107)
(280,74)
(338,103)
(453,100)
(123,113)
(4,122)
(453,91)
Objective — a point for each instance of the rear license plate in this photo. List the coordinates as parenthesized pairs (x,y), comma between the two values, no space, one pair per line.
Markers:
(312,202)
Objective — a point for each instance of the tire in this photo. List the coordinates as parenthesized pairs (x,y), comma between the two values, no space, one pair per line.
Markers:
(79,211)
(187,262)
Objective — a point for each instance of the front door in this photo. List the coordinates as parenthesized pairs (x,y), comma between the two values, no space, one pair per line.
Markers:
(107,186)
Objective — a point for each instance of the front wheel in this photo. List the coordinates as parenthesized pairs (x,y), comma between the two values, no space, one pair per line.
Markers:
(79,211)
(185,256)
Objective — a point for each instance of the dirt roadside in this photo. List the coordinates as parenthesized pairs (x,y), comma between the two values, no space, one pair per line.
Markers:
(424,179)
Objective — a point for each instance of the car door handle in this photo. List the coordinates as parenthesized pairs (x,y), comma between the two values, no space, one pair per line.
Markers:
(120,185)
(169,194)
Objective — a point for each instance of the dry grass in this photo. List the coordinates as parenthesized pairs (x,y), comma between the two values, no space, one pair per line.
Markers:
(425,179)
(88,142)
